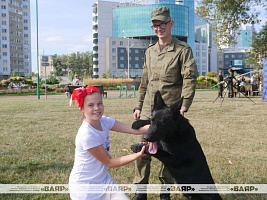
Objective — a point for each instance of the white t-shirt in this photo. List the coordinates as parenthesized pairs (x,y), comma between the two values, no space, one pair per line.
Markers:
(87,169)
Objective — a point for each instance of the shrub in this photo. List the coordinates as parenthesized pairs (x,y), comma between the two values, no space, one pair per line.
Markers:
(109,82)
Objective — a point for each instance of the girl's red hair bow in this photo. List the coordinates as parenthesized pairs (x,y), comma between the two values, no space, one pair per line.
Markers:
(80,93)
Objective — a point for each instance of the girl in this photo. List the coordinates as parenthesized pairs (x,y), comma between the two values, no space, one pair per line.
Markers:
(92,158)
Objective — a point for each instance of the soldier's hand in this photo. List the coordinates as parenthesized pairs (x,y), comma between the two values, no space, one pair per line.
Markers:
(136,114)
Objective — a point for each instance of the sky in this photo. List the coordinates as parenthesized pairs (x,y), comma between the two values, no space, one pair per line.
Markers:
(64,27)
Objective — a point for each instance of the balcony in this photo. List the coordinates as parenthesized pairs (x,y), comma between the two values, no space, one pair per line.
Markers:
(95,26)
(94,10)
(95,41)
(95,48)
(96,69)
(95,62)
(95,55)
(95,18)
(95,35)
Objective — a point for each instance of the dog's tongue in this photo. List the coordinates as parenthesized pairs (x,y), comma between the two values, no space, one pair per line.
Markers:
(153,148)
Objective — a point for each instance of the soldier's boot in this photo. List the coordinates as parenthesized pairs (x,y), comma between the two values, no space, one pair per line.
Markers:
(165,197)
(140,196)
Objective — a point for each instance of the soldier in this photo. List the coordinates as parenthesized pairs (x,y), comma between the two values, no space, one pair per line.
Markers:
(220,86)
(170,68)
(229,80)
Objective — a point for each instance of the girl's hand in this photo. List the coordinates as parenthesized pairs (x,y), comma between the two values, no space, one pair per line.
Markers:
(142,152)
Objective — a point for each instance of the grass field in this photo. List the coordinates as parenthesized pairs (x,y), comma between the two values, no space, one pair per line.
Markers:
(37,142)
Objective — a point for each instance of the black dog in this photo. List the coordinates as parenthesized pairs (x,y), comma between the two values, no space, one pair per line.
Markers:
(173,141)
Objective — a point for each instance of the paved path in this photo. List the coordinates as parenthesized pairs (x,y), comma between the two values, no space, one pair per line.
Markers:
(111,94)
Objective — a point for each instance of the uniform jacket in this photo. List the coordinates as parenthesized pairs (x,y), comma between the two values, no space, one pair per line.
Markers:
(172,71)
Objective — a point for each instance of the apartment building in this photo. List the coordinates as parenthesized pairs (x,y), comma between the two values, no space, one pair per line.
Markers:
(15,38)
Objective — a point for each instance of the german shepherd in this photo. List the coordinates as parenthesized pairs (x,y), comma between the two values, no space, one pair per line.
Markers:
(173,141)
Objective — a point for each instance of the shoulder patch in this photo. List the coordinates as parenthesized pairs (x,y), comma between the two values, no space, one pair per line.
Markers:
(182,43)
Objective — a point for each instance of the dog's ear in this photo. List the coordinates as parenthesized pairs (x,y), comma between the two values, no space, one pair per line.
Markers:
(158,102)
(176,107)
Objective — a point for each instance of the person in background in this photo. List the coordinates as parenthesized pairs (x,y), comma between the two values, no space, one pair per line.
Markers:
(220,86)
(92,146)
(75,81)
(230,83)
(170,68)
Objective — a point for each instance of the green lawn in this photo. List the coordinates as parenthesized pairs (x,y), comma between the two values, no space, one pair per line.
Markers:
(37,142)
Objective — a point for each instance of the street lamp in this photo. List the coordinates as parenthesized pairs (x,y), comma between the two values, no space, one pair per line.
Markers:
(128,52)
(38,89)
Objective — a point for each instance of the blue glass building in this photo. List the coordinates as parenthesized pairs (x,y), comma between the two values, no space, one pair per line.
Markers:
(114,23)
(135,21)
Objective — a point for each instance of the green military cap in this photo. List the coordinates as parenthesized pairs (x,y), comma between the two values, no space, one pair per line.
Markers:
(161,14)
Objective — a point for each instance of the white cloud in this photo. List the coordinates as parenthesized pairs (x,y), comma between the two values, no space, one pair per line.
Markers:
(87,38)
(76,48)
(54,39)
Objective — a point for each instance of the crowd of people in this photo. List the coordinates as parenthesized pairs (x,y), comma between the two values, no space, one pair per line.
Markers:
(238,82)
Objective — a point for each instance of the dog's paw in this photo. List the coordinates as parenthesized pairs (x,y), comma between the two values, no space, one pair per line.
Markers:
(138,124)
(138,147)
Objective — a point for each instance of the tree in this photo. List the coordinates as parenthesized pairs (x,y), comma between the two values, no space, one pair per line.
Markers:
(75,63)
(258,49)
(226,16)
(57,64)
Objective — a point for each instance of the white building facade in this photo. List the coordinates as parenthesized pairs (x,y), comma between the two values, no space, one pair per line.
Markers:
(15,38)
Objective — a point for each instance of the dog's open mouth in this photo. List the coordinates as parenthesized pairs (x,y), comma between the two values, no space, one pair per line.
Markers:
(153,147)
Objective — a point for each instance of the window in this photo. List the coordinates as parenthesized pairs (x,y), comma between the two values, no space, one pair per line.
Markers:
(121,50)
(136,44)
(136,66)
(203,47)
(113,50)
(220,63)
(113,42)
(121,58)
(114,65)
(197,47)
(4,45)
(136,58)
(4,53)
(143,44)
(226,62)
(220,56)
(239,56)
(136,51)
(4,30)
(3,7)
(226,56)
(121,43)
(113,57)
(233,56)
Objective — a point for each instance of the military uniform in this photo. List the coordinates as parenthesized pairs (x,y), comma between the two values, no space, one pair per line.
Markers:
(173,72)
(230,83)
